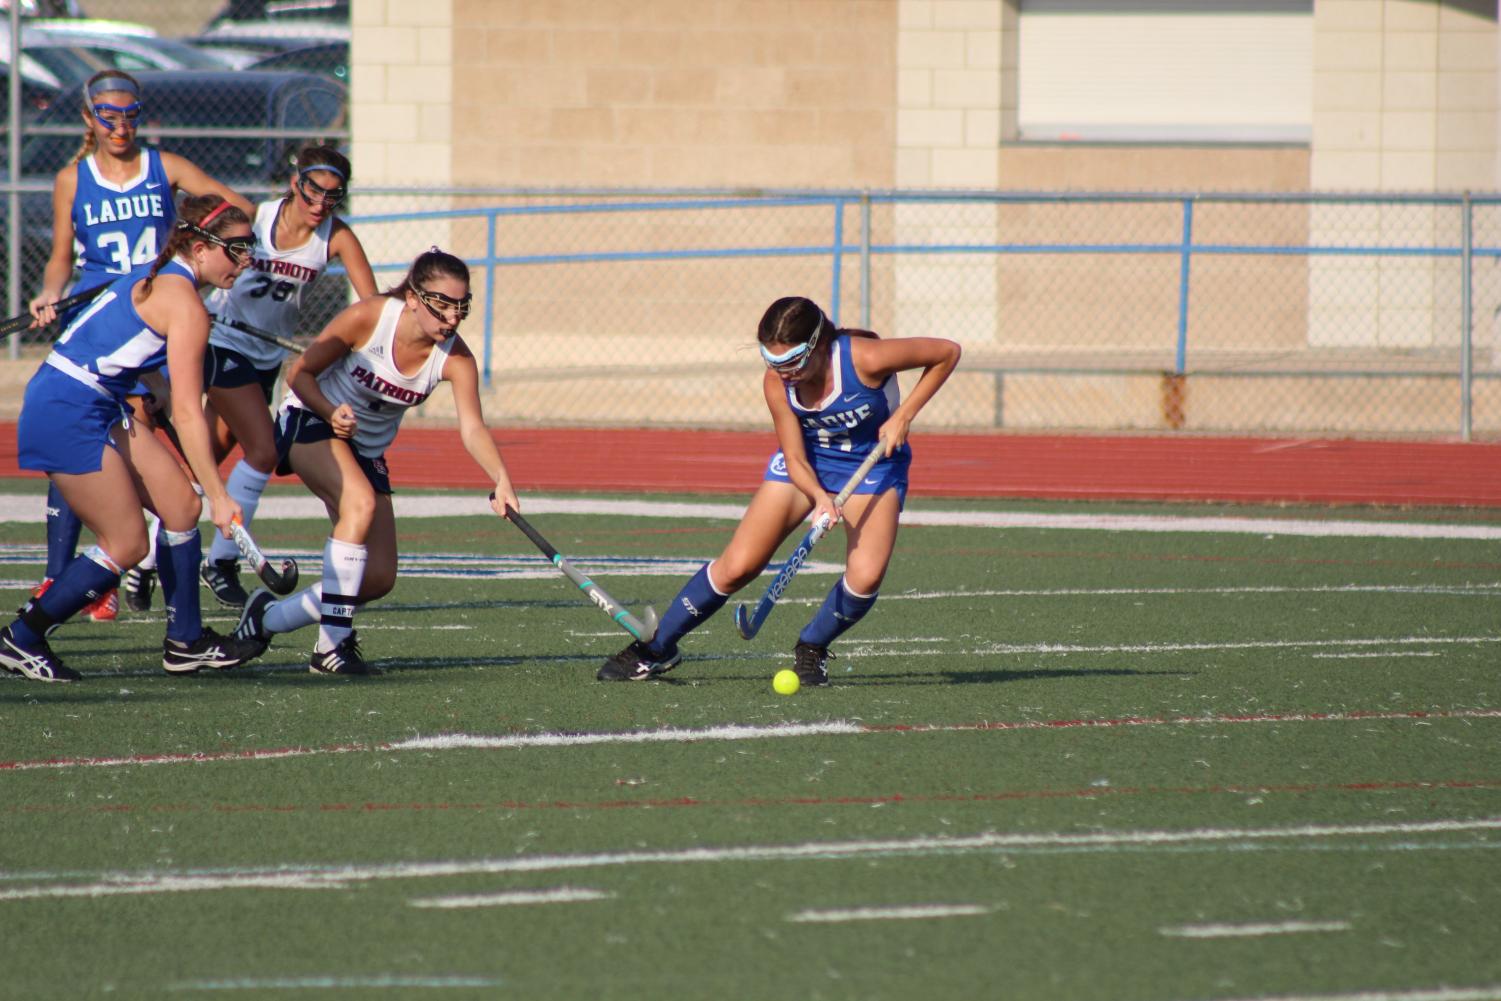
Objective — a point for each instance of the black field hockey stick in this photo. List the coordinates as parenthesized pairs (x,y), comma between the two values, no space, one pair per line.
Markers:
(265,335)
(643,628)
(749,622)
(281,582)
(23,321)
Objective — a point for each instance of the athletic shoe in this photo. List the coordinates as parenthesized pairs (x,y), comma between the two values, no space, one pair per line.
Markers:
(41,588)
(38,663)
(223,578)
(208,650)
(342,659)
(252,626)
(138,584)
(811,664)
(637,663)
(105,608)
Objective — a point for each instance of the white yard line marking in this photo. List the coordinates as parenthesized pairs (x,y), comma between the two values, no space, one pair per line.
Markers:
(31,508)
(454,741)
(337,877)
(561,895)
(382,982)
(1253,930)
(1491,992)
(1378,653)
(905,913)
(464,741)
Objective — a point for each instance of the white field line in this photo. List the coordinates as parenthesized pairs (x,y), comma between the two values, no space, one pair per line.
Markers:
(561,895)
(382,982)
(1377,653)
(903,913)
(31,508)
(457,741)
(109,884)
(1490,992)
(983,650)
(1255,930)
(463,741)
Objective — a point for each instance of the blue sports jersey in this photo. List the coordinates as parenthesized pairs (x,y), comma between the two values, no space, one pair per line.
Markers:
(844,424)
(108,345)
(841,430)
(119,227)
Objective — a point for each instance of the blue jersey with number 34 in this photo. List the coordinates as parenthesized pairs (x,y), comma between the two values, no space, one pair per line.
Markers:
(119,227)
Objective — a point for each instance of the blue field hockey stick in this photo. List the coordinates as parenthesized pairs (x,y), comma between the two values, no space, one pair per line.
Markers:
(643,628)
(749,623)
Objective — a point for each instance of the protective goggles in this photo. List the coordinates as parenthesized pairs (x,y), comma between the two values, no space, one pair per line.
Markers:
(118,116)
(443,307)
(239,248)
(795,358)
(316,194)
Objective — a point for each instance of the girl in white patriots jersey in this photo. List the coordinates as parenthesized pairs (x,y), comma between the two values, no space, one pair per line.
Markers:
(833,399)
(346,397)
(297,236)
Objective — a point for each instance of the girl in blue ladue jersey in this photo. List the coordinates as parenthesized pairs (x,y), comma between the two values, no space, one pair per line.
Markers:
(833,399)
(112,211)
(75,426)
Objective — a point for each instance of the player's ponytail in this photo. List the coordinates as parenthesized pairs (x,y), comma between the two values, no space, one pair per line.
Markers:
(102,82)
(429,265)
(199,214)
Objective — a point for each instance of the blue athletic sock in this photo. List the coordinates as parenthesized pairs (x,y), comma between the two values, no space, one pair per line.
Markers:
(81,582)
(690,609)
(63,528)
(840,610)
(177,557)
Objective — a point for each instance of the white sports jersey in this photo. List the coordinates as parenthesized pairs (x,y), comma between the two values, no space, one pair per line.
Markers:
(368,380)
(268,293)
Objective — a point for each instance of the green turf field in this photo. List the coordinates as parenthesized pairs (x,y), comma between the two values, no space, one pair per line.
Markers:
(1056,763)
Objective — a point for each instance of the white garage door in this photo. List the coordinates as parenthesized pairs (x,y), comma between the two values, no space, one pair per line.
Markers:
(1166,70)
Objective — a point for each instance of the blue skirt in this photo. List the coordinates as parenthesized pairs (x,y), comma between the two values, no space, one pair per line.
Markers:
(64,425)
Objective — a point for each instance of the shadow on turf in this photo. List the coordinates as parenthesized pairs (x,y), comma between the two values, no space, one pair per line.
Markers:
(839,679)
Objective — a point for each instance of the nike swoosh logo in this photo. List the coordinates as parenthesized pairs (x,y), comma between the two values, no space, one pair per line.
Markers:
(851,399)
(870,482)
(153,187)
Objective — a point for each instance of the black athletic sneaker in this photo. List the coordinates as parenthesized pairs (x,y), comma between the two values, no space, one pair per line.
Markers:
(811,664)
(137,585)
(637,663)
(38,663)
(252,626)
(342,659)
(223,578)
(208,650)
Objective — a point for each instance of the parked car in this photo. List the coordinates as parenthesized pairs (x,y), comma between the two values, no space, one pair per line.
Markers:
(242,43)
(328,58)
(128,51)
(311,106)
(282,11)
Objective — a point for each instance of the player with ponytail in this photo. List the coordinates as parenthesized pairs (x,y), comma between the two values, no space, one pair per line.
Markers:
(76,427)
(114,202)
(345,400)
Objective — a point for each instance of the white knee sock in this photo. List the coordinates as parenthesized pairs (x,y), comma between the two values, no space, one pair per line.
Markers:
(301,609)
(152,524)
(343,573)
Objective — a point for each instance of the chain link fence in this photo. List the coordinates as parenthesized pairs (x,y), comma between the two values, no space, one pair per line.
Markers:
(1258,314)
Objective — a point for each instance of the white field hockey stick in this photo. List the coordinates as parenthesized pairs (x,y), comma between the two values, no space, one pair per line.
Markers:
(749,623)
(281,582)
(265,335)
(643,628)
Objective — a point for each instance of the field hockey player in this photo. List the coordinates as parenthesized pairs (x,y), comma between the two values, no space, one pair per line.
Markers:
(296,236)
(112,211)
(833,398)
(75,426)
(346,396)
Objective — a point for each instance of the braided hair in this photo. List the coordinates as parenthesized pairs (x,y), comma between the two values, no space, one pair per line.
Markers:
(198,214)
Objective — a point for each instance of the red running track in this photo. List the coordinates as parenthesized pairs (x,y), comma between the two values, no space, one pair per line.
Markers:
(1247,470)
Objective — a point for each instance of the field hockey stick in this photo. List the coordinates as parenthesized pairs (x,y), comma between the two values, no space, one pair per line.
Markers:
(282,581)
(749,623)
(23,321)
(643,628)
(265,335)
